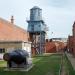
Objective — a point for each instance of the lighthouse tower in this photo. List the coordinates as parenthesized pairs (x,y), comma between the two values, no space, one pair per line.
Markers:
(36,29)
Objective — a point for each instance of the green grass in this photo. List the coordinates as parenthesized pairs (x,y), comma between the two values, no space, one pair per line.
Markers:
(47,64)
(2,63)
(43,65)
(69,66)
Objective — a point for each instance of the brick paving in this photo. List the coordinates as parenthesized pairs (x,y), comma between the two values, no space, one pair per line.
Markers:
(71,59)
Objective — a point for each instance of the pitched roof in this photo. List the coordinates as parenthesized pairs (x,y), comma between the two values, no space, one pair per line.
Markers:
(11,32)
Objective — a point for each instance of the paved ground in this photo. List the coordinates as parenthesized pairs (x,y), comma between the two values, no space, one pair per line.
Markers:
(71,59)
(1,56)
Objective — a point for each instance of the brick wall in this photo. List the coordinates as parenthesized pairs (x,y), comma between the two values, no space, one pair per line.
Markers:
(50,47)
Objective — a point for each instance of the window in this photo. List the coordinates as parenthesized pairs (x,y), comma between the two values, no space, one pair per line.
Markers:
(32,27)
(2,50)
(39,25)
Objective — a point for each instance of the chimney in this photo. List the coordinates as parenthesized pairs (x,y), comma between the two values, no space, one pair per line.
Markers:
(12,19)
(46,40)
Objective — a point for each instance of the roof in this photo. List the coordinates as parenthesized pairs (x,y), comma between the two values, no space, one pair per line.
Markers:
(35,7)
(11,32)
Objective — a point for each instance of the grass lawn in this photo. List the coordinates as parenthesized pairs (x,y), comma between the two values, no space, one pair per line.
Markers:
(43,65)
(69,66)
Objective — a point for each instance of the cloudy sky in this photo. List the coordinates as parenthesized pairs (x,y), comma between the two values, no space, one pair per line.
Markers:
(59,15)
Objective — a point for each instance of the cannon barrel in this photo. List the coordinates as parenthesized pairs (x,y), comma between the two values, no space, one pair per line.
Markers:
(17,56)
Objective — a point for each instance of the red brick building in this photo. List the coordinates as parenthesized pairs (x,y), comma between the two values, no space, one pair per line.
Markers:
(54,46)
(70,44)
(50,46)
(71,41)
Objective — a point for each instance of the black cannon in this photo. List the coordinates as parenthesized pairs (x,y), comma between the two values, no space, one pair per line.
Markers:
(17,56)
